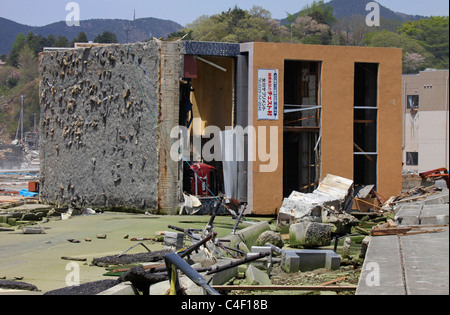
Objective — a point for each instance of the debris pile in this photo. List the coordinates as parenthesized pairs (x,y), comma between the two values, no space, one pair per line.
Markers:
(317,245)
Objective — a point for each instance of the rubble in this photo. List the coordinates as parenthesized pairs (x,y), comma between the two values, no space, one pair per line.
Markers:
(310,234)
(17,285)
(306,260)
(332,192)
(254,276)
(91,288)
(270,237)
(229,264)
(128,259)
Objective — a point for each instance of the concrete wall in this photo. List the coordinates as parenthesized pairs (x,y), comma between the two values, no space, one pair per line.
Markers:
(426,129)
(170,175)
(99,119)
(337,93)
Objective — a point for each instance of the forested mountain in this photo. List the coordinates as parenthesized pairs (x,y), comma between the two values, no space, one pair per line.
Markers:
(125,30)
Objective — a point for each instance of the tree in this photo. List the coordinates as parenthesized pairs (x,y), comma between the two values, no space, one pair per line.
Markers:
(415,56)
(433,35)
(51,40)
(106,38)
(412,62)
(309,31)
(318,11)
(36,42)
(61,41)
(235,25)
(354,29)
(15,50)
(81,38)
(27,63)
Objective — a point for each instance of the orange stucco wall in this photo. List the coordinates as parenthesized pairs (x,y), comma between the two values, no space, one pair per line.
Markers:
(337,84)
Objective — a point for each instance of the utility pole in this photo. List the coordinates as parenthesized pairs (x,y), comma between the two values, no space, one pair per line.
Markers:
(292,25)
(20,124)
(21,117)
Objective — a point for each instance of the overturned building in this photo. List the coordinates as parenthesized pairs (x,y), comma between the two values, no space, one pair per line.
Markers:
(266,119)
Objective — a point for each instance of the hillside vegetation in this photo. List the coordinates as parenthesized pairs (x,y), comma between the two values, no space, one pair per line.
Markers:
(425,42)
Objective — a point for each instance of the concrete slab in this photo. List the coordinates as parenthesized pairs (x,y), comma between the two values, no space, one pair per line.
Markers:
(436,214)
(440,198)
(382,272)
(406,265)
(426,263)
(422,214)
(409,214)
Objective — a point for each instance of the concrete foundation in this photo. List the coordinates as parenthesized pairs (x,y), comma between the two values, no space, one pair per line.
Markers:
(306,260)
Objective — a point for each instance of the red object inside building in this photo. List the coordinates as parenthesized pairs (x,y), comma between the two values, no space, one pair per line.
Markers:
(202,180)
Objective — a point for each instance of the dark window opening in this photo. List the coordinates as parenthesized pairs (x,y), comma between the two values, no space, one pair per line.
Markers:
(366,84)
(302,93)
(365,169)
(412,158)
(365,131)
(412,102)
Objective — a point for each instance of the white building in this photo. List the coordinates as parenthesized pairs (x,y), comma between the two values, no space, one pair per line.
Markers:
(426,121)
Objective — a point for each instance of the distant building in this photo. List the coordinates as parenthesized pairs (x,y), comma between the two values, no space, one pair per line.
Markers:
(2,63)
(425,120)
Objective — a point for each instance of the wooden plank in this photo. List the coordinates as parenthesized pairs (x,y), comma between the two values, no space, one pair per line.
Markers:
(425,232)
(371,160)
(282,288)
(389,231)
(301,129)
(332,281)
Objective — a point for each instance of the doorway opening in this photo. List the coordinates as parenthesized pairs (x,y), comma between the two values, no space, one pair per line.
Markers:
(302,116)
(207,99)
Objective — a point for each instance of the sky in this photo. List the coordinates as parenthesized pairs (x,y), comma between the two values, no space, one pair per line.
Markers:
(43,12)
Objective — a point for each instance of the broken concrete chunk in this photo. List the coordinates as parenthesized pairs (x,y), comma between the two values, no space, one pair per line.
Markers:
(332,192)
(33,230)
(346,248)
(310,234)
(271,237)
(254,276)
(364,246)
(173,240)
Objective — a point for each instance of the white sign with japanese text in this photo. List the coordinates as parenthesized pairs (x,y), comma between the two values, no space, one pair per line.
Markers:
(268,94)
